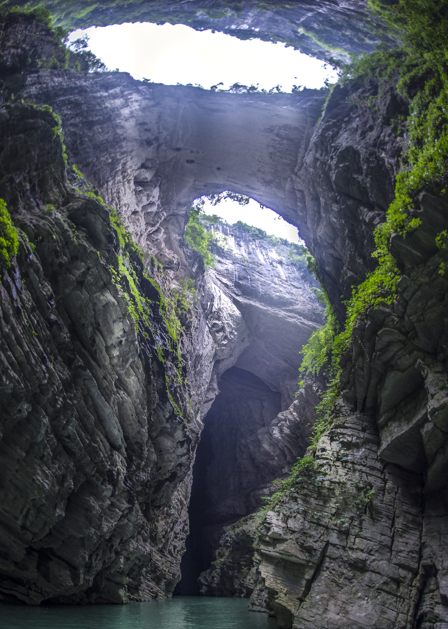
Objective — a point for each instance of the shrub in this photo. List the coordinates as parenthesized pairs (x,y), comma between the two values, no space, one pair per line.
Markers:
(199,239)
(9,241)
(317,352)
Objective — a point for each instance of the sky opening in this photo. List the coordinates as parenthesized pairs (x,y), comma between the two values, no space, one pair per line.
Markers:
(255,215)
(180,55)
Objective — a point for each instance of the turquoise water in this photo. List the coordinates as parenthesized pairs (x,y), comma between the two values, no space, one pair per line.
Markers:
(181,612)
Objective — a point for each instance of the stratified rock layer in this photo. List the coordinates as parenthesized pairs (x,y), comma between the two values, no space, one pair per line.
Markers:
(252,435)
(98,513)
(257,454)
(343,550)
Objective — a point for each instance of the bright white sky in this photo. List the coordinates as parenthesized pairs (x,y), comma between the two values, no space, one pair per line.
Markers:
(254,215)
(178,54)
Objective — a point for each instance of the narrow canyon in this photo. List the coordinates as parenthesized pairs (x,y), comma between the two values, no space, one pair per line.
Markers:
(156,436)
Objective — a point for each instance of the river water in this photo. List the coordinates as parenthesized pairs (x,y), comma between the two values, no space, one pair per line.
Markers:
(180,612)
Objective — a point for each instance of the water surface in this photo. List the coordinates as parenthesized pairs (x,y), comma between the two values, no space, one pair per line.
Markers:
(181,612)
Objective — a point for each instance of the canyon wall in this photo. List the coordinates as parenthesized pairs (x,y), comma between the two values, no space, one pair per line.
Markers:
(255,429)
(361,541)
(103,386)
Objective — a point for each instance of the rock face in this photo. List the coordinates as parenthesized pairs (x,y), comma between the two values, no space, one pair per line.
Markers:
(251,436)
(152,149)
(344,550)
(276,296)
(99,423)
(346,184)
(95,454)
(171,145)
(235,477)
(370,522)
(319,28)
(101,401)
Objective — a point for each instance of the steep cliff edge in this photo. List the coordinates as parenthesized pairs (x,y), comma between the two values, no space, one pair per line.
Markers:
(360,540)
(254,430)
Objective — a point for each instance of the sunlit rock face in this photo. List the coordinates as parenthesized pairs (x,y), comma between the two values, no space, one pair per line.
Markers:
(276,298)
(152,149)
(255,430)
(370,523)
(320,28)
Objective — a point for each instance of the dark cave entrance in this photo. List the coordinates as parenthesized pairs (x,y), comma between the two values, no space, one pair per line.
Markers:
(231,471)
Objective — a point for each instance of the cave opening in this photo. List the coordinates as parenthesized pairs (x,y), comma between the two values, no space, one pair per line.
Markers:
(231,473)
(238,208)
(245,445)
(176,54)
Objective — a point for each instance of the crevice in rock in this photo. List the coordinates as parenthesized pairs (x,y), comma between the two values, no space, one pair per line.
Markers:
(315,574)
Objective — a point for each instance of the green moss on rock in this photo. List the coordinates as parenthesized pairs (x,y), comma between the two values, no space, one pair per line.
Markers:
(9,241)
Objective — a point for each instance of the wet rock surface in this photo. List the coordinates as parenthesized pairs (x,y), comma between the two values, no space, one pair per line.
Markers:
(333,179)
(344,549)
(253,434)
(269,453)
(98,435)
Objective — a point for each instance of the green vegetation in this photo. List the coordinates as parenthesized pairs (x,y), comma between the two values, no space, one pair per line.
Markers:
(317,352)
(76,56)
(9,241)
(303,472)
(139,306)
(199,239)
(297,254)
(80,48)
(57,129)
(185,297)
(75,14)
(423,23)
(419,70)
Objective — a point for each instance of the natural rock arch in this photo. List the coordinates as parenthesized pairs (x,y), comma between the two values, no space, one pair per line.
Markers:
(151,149)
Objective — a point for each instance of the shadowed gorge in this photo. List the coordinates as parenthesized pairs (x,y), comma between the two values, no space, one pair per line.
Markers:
(137,371)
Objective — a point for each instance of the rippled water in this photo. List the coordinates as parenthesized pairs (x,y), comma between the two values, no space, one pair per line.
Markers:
(182,612)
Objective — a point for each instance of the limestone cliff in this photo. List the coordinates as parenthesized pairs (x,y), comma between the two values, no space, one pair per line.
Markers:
(369,523)
(107,407)
(105,377)
(254,430)
(97,435)
(361,540)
